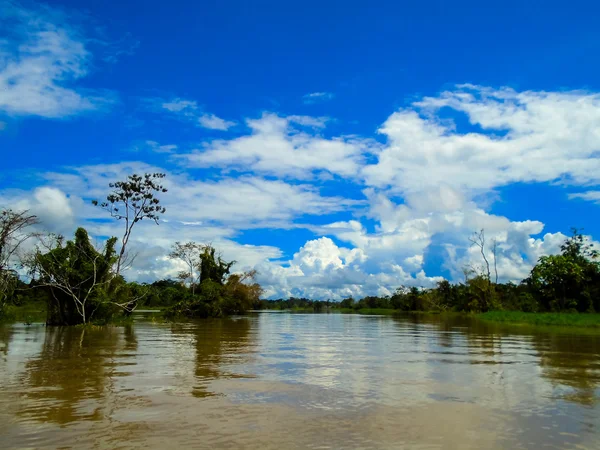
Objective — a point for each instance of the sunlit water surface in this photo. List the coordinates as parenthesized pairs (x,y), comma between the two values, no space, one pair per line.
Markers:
(284,381)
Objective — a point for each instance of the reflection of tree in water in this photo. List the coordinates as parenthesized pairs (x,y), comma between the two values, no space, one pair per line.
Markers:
(67,382)
(6,333)
(571,361)
(568,361)
(220,344)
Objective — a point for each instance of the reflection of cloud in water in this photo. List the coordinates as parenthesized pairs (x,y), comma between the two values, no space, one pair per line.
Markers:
(300,381)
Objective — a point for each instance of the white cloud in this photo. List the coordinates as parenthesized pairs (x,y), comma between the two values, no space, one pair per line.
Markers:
(178,105)
(157,147)
(241,202)
(41,61)
(592,196)
(189,110)
(51,205)
(213,122)
(316,97)
(522,137)
(276,147)
(2,125)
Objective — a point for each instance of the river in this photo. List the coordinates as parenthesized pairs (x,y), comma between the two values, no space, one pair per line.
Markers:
(312,381)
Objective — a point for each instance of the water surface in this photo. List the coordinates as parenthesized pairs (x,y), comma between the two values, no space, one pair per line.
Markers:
(284,381)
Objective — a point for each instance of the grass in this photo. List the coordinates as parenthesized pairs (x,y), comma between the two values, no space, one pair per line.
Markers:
(28,313)
(368,311)
(550,319)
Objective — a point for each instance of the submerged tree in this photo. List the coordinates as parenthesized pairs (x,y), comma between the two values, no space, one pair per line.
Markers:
(79,278)
(212,266)
(132,201)
(219,293)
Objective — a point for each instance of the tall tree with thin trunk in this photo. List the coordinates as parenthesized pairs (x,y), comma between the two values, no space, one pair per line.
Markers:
(189,253)
(132,201)
(478,239)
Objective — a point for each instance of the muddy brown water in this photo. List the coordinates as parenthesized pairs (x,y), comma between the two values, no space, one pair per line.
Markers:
(310,381)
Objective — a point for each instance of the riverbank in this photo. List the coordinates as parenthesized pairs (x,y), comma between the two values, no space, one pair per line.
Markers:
(580,320)
(28,313)
(368,311)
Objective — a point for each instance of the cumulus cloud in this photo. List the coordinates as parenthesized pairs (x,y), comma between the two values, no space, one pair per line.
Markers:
(517,137)
(275,146)
(51,205)
(321,269)
(42,57)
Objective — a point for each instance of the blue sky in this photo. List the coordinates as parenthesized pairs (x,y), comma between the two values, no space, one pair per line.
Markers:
(339,148)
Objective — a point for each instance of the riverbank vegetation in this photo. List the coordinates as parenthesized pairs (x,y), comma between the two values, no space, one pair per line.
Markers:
(81,283)
(547,319)
(559,291)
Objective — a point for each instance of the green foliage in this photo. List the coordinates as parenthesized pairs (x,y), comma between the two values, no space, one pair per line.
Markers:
(77,279)
(569,281)
(550,319)
(559,283)
(132,201)
(217,295)
(213,267)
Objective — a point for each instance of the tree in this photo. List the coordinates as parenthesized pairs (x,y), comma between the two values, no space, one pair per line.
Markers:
(189,253)
(134,200)
(347,303)
(78,277)
(15,229)
(570,280)
(478,239)
(212,266)
(241,292)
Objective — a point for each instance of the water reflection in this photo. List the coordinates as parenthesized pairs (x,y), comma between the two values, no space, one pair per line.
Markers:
(572,365)
(300,381)
(69,379)
(222,348)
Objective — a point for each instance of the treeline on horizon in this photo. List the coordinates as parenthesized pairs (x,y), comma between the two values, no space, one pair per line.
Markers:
(80,283)
(567,282)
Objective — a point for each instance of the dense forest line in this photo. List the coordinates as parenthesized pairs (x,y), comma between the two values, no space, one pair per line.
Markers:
(80,283)
(567,282)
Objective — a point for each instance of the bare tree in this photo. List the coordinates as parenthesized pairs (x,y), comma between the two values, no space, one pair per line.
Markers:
(134,200)
(189,253)
(15,229)
(495,253)
(478,239)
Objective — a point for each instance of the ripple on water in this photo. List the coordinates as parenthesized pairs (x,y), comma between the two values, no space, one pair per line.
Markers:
(298,381)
